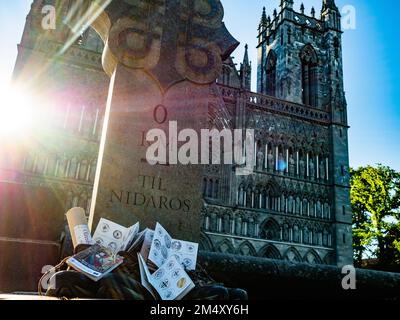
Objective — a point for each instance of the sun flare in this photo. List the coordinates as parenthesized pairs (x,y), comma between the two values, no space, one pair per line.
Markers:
(16,112)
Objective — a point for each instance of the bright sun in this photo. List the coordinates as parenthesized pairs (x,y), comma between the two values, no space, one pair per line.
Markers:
(16,112)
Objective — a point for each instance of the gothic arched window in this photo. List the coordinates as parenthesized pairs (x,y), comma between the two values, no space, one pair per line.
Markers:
(216,189)
(89,39)
(271,74)
(309,62)
(210,186)
(271,230)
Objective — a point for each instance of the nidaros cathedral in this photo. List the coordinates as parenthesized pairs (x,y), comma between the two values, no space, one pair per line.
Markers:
(295,205)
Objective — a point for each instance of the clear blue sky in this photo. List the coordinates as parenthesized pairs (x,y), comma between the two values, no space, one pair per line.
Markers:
(371,62)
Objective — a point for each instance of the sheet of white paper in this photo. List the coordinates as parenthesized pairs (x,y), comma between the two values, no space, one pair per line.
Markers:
(160,246)
(145,275)
(163,247)
(131,233)
(136,241)
(186,252)
(171,280)
(110,235)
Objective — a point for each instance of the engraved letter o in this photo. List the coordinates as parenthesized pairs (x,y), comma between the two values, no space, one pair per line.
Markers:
(160,114)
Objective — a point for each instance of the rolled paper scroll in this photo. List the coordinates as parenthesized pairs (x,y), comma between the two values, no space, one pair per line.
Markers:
(78,226)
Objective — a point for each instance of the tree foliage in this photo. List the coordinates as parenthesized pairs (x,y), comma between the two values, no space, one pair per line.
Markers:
(375,201)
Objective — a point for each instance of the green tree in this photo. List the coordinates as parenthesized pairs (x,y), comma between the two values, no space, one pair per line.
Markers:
(375,201)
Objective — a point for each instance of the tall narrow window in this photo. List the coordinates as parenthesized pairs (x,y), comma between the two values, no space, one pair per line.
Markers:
(309,63)
(336,45)
(271,73)
(216,189)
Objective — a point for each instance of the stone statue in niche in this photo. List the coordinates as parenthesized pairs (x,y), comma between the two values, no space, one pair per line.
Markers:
(271,164)
(250,228)
(292,165)
(296,236)
(285,232)
(318,213)
(322,170)
(302,168)
(226,223)
(306,236)
(283,203)
(248,198)
(260,160)
(290,205)
(305,207)
(298,206)
(312,169)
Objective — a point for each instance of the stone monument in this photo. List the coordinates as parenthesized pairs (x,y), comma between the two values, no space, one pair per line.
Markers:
(162,57)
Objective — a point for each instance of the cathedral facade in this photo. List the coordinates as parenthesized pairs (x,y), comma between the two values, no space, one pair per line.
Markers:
(296,203)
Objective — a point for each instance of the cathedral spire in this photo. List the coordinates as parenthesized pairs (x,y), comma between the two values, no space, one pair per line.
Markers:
(330,14)
(245,70)
(263,22)
(302,8)
(287,4)
(329,4)
(246,55)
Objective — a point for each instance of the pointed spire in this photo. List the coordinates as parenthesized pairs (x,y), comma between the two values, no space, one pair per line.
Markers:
(245,70)
(330,14)
(246,55)
(329,4)
(268,19)
(275,13)
(287,4)
(264,16)
(313,12)
(302,8)
(263,22)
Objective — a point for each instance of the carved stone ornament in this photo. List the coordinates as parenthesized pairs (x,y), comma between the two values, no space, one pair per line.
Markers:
(172,40)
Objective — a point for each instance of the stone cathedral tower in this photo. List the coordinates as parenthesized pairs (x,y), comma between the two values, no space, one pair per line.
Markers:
(300,60)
